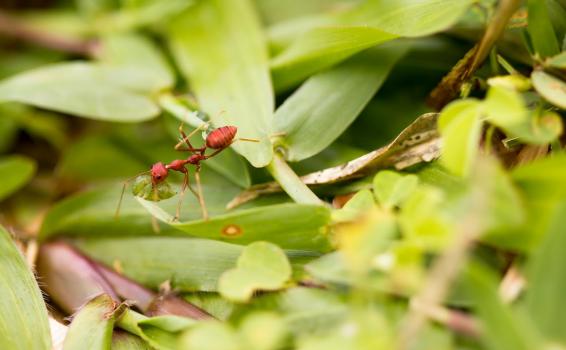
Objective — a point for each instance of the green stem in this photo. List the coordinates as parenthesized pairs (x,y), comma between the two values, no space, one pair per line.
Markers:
(290,182)
(176,108)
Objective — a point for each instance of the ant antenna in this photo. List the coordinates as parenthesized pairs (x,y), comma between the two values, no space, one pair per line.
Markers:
(117,214)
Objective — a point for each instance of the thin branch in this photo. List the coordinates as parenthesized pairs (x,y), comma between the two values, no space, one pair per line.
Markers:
(450,85)
(13,28)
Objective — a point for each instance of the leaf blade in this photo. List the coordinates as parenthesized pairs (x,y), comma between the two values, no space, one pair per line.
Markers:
(219,47)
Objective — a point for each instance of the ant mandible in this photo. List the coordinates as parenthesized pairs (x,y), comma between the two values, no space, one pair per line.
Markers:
(218,140)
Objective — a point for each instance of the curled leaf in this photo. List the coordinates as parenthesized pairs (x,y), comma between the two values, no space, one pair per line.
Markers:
(143,187)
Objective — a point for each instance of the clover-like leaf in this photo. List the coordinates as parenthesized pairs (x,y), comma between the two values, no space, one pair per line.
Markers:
(262,266)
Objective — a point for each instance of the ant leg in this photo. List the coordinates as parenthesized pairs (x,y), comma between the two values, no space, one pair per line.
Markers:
(117,213)
(185,138)
(181,195)
(222,149)
(200,196)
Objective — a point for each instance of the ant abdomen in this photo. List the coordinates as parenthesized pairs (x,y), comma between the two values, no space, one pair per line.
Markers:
(221,138)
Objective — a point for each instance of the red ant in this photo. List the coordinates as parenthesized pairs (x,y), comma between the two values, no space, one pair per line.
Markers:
(218,139)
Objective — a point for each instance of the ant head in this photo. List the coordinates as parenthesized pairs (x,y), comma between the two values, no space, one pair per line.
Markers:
(159,172)
(221,137)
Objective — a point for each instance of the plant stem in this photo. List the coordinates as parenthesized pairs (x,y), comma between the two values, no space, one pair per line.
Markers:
(290,182)
(13,28)
(172,105)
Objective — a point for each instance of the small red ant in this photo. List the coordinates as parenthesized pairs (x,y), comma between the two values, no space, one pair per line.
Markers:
(218,140)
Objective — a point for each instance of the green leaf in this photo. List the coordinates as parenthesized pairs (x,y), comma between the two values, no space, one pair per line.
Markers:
(558,61)
(15,172)
(411,18)
(540,29)
(542,179)
(92,213)
(391,189)
(332,99)
(128,341)
(92,327)
(263,331)
(504,329)
(261,266)
(291,226)
(219,47)
(138,61)
(160,332)
(210,335)
(81,89)
(360,203)
(23,320)
(321,48)
(331,39)
(460,127)
(505,108)
(142,259)
(550,87)
(546,278)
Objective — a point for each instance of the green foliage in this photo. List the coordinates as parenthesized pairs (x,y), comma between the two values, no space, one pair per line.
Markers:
(15,172)
(401,228)
(23,322)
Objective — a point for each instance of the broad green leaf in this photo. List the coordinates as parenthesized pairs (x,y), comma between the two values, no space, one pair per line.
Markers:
(546,278)
(550,87)
(92,327)
(327,103)
(331,268)
(140,65)
(503,328)
(331,39)
(409,17)
(321,48)
(261,266)
(540,29)
(23,320)
(92,213)
(358,205)
(142,259)
(291,226)
(210,335)
(15,172)
(460,127)
(80,89)
(219,47)
(391,189)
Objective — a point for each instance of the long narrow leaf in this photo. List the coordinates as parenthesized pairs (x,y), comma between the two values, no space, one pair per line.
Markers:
(92,326)
(326,104)
(219,47)
(23,316)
